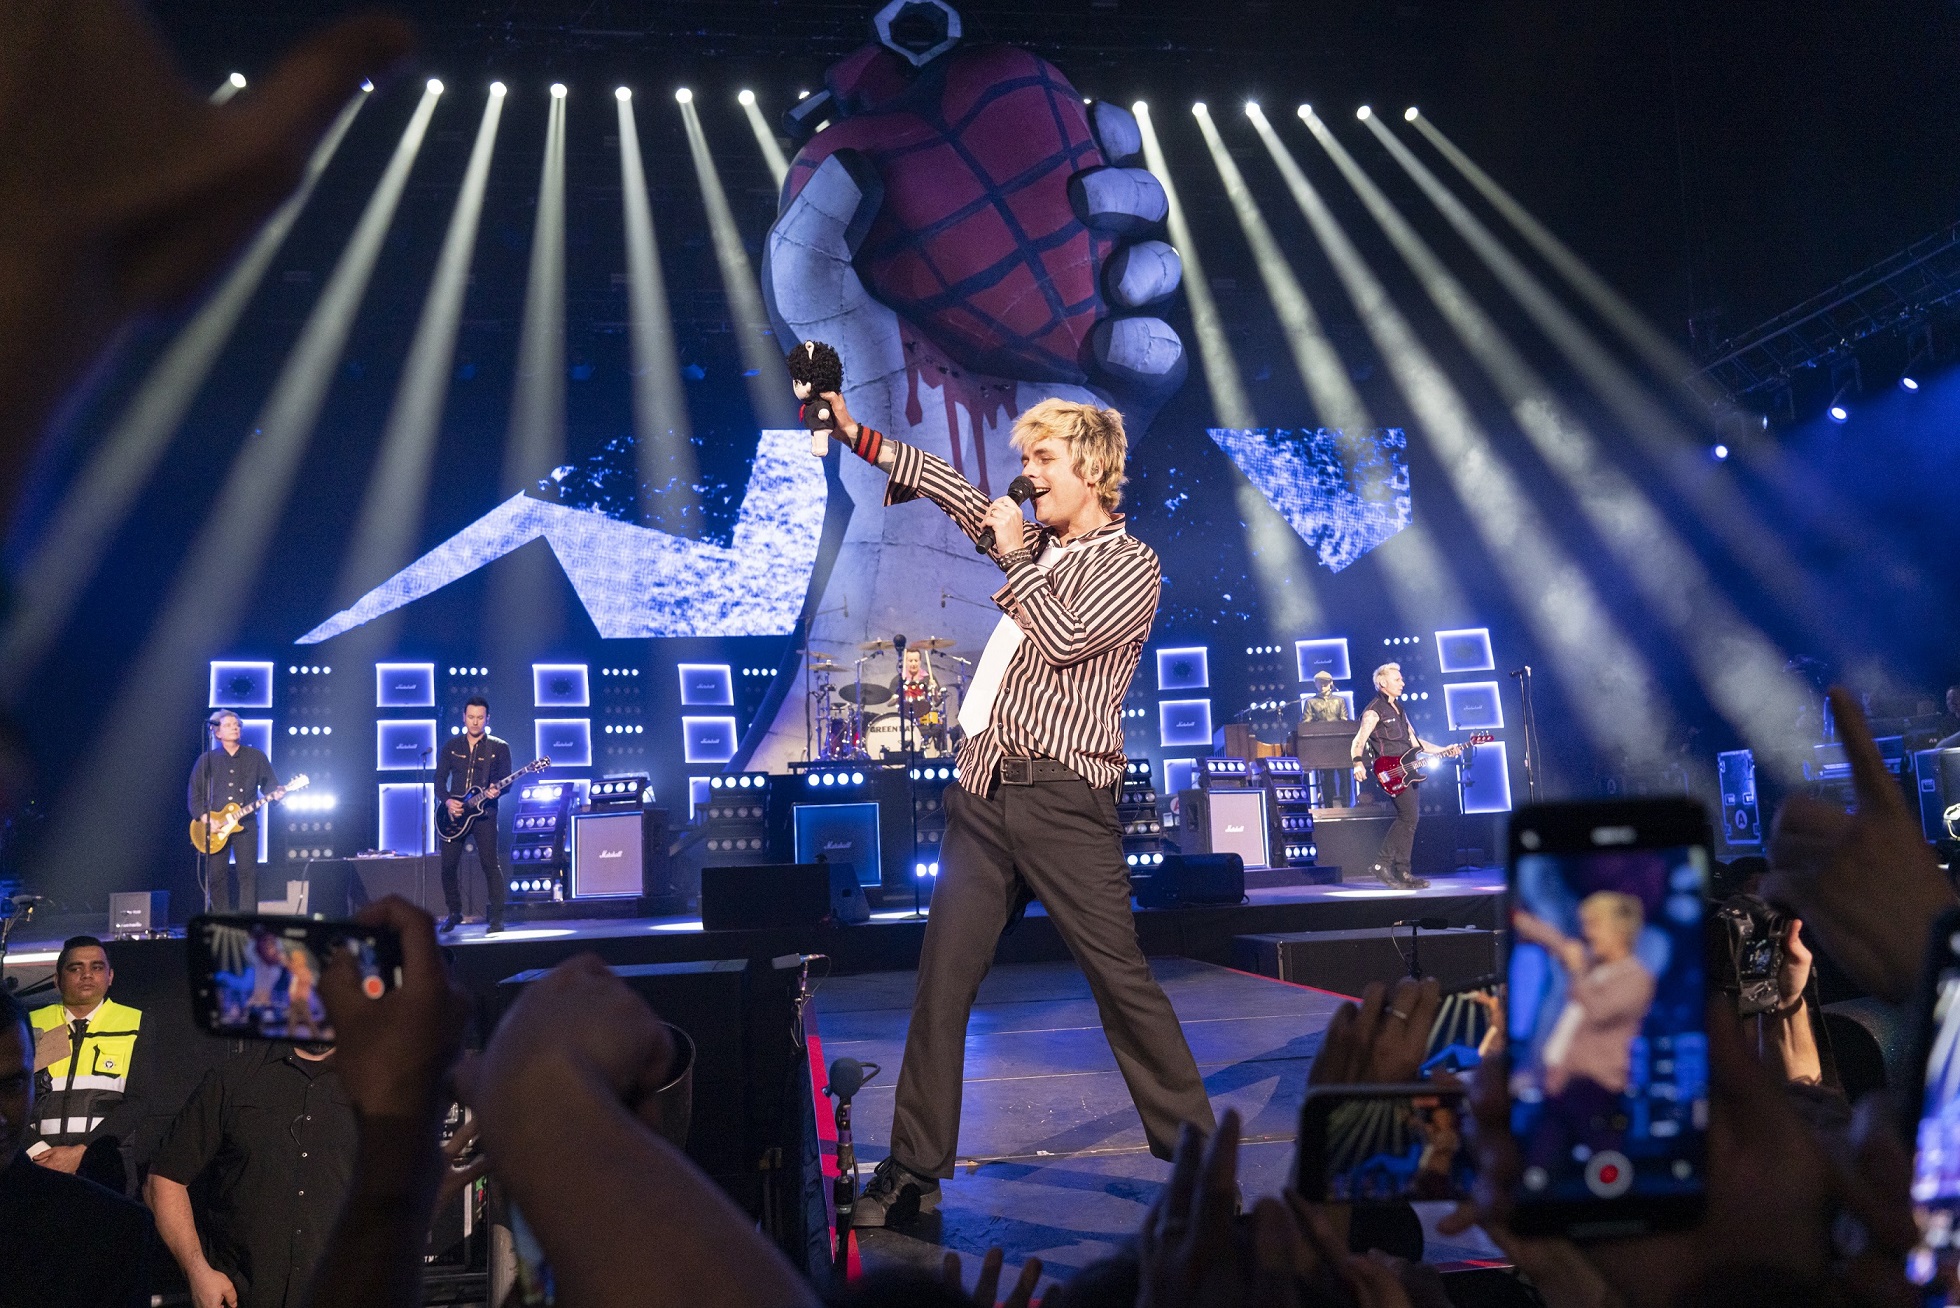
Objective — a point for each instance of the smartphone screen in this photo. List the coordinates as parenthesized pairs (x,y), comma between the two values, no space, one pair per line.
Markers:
(1606,1015)
(258,978)
(1383,1144)
(1936,1134)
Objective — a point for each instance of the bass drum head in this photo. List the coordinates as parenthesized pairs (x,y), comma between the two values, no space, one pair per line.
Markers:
(881,736)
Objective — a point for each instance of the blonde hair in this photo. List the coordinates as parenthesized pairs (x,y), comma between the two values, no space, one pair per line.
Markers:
(1095,439)
(1624,909)
(1382,670)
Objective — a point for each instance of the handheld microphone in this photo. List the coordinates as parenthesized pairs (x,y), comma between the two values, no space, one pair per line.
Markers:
(1020,490)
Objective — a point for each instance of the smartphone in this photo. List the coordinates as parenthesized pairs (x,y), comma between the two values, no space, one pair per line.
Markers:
(1934,1109)
(258,978)
(1383,1144)
(1607,991)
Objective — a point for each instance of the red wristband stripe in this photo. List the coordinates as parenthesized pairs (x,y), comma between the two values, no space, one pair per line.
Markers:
(869,442)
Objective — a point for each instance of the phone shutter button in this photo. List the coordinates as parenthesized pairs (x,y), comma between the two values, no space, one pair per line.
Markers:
(1609,1174)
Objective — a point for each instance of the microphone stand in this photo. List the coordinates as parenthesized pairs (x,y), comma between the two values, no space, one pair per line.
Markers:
(847,1076)
(1528,721)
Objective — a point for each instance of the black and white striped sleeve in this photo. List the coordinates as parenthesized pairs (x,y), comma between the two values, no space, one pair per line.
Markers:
(915,473)
(1116,608)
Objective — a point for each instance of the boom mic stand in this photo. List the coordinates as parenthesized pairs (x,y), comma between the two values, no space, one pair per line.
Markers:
(847,1077)
(1528,722)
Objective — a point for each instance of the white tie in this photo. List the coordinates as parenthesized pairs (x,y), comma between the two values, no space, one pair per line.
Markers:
(977,709)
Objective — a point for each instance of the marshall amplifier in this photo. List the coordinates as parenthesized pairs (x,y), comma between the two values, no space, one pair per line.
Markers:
(608,855)
(840,833)
(1226,822)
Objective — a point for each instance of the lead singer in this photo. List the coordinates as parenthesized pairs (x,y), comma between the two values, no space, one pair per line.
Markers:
(1034,809)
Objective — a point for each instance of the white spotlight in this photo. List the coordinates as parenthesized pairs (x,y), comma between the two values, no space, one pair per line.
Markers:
(803,95)
(745,96)
(435,86)
(623,94)
(1198,107)
(684,95)
(238,80)
(1305,111)
(1409,115)
(1364,113)
(1139,108)
(558,90)
(498,88)
(1251,107)
(366,85)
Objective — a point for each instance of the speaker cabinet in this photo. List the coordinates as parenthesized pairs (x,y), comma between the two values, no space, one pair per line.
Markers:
(608,855)
(1184,880)
(1346,961)
(780,896)
(1226,822)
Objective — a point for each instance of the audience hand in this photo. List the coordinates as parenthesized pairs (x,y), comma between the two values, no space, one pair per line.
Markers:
(211,1288)
(988,1284)
(394,1053)
(125,190)
(62,1158)
(1866,882)
(1382,1042)
(1187,1246)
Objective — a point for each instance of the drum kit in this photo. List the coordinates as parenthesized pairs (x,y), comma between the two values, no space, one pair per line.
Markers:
(911,715)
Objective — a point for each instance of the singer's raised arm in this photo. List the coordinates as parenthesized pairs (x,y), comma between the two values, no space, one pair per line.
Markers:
(915,473)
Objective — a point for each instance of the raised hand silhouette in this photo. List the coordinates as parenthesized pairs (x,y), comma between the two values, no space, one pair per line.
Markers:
(973,238)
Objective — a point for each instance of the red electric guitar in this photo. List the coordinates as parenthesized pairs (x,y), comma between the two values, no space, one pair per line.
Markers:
(1396,774)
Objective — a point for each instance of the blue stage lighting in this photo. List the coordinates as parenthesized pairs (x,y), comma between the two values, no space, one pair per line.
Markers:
(1909,383)
(1720,451)
(1839,413)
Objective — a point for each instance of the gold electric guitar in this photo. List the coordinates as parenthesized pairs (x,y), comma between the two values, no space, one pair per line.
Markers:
(210,832)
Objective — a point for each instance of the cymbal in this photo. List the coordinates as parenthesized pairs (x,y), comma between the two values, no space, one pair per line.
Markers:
(875,645)
(825,665)
(872,692)
(934,642)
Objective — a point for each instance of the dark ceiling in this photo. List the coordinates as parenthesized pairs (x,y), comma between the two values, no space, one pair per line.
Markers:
(1718,161)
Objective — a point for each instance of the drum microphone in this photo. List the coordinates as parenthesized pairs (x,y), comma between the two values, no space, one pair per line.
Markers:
(1020,490)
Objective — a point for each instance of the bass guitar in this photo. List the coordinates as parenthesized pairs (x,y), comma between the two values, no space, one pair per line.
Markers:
(1399,773)
(210,832)
(455,827)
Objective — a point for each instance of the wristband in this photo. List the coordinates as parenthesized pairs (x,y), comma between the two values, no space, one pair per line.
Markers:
(869,442)
(1013,559)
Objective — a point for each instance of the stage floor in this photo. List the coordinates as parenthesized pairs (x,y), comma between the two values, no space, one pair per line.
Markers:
(1052,1160)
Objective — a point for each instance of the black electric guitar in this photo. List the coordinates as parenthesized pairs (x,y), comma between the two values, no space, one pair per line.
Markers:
(455,827)
(1396,774)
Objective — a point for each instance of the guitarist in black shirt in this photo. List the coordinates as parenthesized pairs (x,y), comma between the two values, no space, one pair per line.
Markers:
(231,772)
(475,758)
(1387,731)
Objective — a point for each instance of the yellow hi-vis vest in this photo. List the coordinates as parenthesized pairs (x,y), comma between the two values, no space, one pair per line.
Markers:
(81,1089)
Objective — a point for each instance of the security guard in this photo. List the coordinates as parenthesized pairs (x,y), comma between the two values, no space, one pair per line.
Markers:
(84,1053)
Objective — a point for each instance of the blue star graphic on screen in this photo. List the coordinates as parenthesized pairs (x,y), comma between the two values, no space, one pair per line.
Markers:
(634,581)
(1345,492)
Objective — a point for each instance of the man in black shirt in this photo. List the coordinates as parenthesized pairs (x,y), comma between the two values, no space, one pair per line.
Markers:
(269,1140)
(67,1242)
(233,773)
(474,758)
(1387,731)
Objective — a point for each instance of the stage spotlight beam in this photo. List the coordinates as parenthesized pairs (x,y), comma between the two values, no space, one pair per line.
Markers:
(52,579)
(228,88)
(392,511)
(1742,672)
(1336,402)
(536,441)
(1672,450)
(765,138)
(663,436)
(762,357)
(1281,566)
(1607,680)
(213,588)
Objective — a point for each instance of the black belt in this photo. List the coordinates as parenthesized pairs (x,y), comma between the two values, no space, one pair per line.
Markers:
(1033,771)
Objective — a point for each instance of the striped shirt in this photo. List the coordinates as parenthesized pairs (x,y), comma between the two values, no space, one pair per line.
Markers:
(1086,619)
